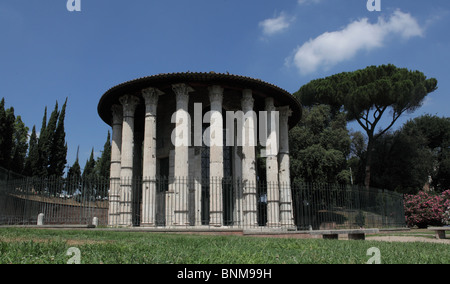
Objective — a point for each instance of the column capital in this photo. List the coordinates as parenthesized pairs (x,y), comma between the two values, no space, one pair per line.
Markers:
(270,104)
(216,94)
(247,100)
(117,114)
(182,88)
(182,93)
(129,104)
(285,112)
(151,95)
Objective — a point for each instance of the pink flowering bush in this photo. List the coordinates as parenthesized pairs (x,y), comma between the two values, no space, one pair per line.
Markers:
(423,210)
(446,219)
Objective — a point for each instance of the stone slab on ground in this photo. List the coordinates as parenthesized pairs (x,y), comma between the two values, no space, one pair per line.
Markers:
(356,234)
(440,231)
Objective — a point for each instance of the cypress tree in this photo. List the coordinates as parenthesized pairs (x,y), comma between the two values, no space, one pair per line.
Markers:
(75,170)
(104,162)
(46,155)
(33,155)
(41,164)
(2,129)
(20,145)
(58,147)
(7,133)
(50,160)
(89,177)
(89,168)
(74,175)
(52,147)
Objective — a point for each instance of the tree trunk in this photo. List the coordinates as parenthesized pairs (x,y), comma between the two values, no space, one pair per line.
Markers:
(368,162)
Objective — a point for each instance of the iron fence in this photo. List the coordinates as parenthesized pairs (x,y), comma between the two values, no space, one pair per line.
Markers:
(62,201)
(332,206)
(314,206)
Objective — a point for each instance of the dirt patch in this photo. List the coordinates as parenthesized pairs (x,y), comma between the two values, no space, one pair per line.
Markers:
(70,242)
(282,236)
(86,242)
(405,239)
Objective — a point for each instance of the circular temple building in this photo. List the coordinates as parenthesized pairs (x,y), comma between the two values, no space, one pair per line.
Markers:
(199,149)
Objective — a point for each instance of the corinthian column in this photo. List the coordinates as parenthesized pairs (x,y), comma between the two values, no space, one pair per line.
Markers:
(148,215)
(116,145)
(286,214)
(129,104)
(273,194)
(249,160)
(216,157)
(177,199)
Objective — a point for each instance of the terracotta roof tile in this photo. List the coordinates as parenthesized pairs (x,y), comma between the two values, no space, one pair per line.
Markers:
(259,87)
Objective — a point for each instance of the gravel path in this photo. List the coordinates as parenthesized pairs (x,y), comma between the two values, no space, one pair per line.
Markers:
(407,239)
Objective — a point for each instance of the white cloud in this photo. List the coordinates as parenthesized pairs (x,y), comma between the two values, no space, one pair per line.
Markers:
(428,101)
(276,25)
(331,48)
(301,2)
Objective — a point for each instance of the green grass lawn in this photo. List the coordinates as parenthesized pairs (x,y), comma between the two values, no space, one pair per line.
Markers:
(32,246)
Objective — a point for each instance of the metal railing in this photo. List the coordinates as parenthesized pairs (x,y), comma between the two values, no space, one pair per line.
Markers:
(332,206)
(314,206)
(62,201)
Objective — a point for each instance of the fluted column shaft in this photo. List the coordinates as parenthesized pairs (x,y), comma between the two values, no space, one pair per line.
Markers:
(177,201)
(286,213)
(148,215)
(273,194)
(116,147)
(129,104)
(216,156)
(249,160)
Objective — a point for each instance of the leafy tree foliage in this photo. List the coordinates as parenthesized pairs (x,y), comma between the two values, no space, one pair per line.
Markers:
(402,162)
(319,146)
(434,132)
(58,146)
(40,168)
(102,166)
(410,157)
(48,143)
(367,95)
(74,172)
(74,176)
(7,120)
(13,139)
(33,156)
(52,147)
(20,146)
(89,168)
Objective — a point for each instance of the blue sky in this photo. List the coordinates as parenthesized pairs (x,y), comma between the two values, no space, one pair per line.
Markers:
(48,53)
